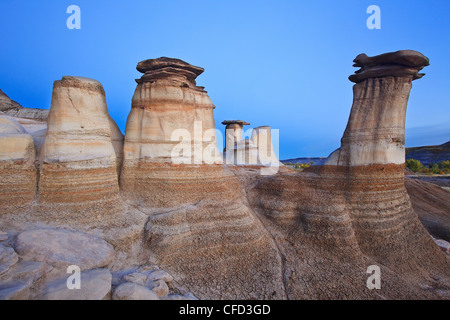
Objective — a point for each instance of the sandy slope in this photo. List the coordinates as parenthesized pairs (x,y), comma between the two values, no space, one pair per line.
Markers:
(432,205)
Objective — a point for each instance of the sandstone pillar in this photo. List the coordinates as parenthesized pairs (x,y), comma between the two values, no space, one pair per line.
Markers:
(262,139)
(197,216)
(233,132)
(375,132)
(81,150)
(171,122)
(369,166)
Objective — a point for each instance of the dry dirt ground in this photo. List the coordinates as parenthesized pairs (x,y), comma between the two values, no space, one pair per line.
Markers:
(431,202)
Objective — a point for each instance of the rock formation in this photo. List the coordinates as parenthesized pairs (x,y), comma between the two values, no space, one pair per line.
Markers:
(233,132)
(431,203)
(262,138)
(33,121)
(375,133)
(6,104)
(256,151)
(238,151)
(219,232)
(17,170)
(354,211)
(171,122)
(201,216)
(167,104)
(78,162)
(14,109)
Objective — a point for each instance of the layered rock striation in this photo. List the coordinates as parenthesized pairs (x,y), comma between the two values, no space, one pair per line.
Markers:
(78,161)
(375,132)
(171,123)
(17,168)
(354,211)
(14,109)
(223,232)
(172,171)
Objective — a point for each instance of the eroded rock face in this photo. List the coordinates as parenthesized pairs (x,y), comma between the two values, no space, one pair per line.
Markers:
(375,132)
(431,203)
(256,151)
(354,211)
(167,100)
(218,232)
(32,121)
(78,159)
(17,170)
(8,258)
(16,143)
(201,218)
(403,63)
(14,291)
(6,104)
(14,109)
(166,105)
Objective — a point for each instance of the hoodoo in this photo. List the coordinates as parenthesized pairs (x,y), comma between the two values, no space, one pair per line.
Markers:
(78,160)
(198,220)
(258,150)
(233,132)
(262,138)
(375,133)
(171,122)
(354,211)
(216,231)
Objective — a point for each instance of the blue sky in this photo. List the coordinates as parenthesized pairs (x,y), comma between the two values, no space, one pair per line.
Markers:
(278,63)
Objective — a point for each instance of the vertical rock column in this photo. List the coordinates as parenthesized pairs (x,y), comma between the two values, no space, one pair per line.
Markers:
(238,151)
(78,160)
(171,123)
(262,138)
(354,211)
(233,132)
(199,227)
(375,132)
(370,163)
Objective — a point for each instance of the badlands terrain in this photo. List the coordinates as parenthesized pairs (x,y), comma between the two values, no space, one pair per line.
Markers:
(141,221)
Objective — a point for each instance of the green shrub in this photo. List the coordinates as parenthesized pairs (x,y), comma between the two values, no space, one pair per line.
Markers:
(305,165)
(445,166)
(414,165)
(434,168)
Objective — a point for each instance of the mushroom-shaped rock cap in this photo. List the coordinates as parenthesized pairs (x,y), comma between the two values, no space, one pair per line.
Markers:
(168,68)
(164,62)
(240,122)
(400,63)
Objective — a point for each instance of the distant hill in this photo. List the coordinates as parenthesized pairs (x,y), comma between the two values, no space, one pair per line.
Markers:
(429,154)
(317,161)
